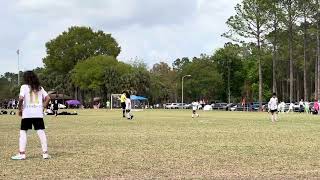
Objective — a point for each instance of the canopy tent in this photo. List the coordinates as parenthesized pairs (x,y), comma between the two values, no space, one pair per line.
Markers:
(138,101)
(139,98)
(54,95)
(59,97)
(73,102)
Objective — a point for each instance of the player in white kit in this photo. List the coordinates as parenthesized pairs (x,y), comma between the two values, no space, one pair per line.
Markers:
(129,114)
(273,107)
(195,106)
(32,101)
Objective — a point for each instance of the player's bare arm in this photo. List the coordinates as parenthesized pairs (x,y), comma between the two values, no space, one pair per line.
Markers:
(20,106)
(46,101)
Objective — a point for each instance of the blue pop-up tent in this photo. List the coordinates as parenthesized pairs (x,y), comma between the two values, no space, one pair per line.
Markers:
(138,101)
(139,98)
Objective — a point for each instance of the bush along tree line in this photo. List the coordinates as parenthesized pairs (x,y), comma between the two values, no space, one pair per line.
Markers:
(274,47)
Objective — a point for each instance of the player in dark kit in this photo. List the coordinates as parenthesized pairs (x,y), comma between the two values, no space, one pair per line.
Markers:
(123,103)
(55,107)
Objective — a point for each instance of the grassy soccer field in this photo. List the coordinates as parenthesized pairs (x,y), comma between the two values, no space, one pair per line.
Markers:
(166,145)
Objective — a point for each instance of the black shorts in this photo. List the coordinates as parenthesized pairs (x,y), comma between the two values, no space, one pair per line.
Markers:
(273,111)
(193,111)
(123,105)
(37,123)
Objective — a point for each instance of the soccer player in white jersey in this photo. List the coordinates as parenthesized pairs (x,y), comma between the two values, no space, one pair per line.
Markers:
(273,107)
(129,114)
(195,106)
(32,101)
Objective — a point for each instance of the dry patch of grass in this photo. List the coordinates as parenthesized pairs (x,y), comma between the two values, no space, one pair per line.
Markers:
(166,145)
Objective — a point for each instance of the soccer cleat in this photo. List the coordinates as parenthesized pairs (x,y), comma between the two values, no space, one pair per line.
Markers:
(46,156)
(19,157)
(131,116)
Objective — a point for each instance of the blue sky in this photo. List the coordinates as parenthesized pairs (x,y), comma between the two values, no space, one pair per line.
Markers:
(152,30)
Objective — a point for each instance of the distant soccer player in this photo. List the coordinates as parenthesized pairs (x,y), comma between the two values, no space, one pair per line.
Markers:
(123,103)
(273,107)
(128,107)
(307,107)
(291,108)
(195,106)
(281,107)
(32,100)
(55,107)
(108,104)
(301,106)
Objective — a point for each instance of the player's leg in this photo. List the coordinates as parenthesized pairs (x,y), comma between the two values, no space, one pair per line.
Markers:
(22,146)
(130,113)
(39,127)
(273,116)
(44,144)
(123,105)
(193,113)
(127,113)
(25,125)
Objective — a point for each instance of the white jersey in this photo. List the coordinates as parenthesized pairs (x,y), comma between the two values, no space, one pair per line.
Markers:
(128,104)
(291,106)
(273,103)
(32,102)
(301,103)
(195,105)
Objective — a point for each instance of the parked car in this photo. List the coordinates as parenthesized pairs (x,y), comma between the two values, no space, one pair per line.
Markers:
(311,107)
(234,107)
(167,105)
(187,106)
(241,107)
(174,106)
(296,108)
(207,108)
(256,106)
(286,107)
(177,106)
(229,106)
(219,106)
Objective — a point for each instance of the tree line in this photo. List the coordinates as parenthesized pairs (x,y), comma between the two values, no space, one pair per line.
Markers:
(274,47)
(83,63)
(288,32)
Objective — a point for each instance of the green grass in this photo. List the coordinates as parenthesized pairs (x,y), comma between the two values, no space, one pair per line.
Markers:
(166,145)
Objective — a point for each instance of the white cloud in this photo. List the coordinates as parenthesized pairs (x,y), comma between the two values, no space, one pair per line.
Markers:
(152,30)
